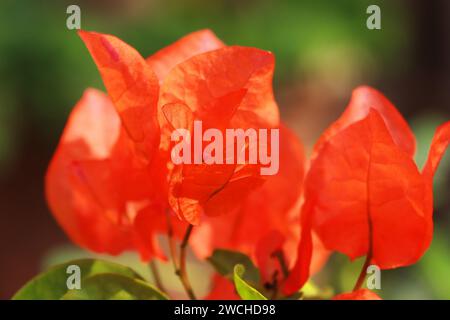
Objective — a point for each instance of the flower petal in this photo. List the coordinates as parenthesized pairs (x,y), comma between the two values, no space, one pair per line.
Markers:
(90,134)
(438,147)
(362,294)
(269,209)
(222,289)
(131,84)
(206,83)
(364,196)
(190,45)
(226,88)
(97,187)
(363,99)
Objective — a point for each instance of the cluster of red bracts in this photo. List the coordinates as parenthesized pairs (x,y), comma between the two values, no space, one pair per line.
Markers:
(112,186)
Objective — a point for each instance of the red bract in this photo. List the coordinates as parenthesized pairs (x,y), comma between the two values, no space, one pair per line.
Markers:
(362,294)
(363,192)
(193,44)
(268,208)
(230,87)
(113,186)
(266,223)
(117,199)
(132,86)
(107,182)
(227,88)
(96,185)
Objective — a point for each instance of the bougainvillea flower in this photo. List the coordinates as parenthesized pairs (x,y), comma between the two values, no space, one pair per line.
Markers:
(266,223)
(361,294)
(222,289)
(364,195)
(116,199)
(193,44)
(97,186)
(107,182)
(216,88)
(271,205)
(227,88)
(132,86)
(167,58)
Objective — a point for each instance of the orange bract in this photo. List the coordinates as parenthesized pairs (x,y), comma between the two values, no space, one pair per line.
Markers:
(113,186)
(132,86)
(362,294)
(270,207)
(222,289)
(363,193)
(192,44)
(362,101)
(111,180)
(107,183)
(363,187)
(266,221)
(230,87)
(96,185)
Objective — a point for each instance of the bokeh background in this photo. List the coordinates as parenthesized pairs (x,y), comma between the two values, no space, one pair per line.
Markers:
(323,50)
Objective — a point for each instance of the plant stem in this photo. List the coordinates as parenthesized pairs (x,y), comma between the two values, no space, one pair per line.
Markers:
(362,274)
(181,271)
(281,259)
(172,245)
(274,285)
(179,265)
(156,276)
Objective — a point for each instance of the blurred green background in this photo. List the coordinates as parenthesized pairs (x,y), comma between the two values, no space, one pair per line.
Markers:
(323,50)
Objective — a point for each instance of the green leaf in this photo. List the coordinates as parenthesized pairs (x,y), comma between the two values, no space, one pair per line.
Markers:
(245,291)
(311,291)
(224,262)
(52,284)
(435,264)
(109,286)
